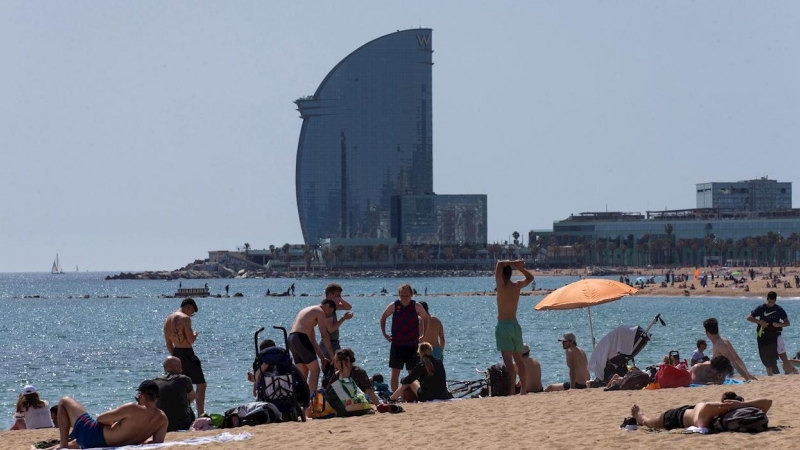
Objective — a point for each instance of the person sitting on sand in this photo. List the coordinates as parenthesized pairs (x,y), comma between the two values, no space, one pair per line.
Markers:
(380,387)
(576,362)
(31,412)
(130,424)
(345,367)
(712,372)
(534,371)
(698,355)
(722,346)
(427,379)
(701,415)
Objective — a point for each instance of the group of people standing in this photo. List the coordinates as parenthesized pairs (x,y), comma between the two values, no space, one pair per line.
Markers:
(416,342)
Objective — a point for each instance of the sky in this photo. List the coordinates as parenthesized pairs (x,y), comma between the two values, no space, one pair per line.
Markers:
(140,135)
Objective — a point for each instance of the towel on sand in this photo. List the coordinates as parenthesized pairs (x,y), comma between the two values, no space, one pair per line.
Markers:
(222,438)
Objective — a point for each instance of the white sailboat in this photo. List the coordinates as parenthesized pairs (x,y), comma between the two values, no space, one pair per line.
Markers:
(56,270)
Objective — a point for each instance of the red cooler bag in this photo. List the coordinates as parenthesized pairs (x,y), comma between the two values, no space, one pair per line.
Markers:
(672,377)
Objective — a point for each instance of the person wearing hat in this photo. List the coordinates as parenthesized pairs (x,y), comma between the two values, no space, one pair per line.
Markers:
(136,423)
(32,412)
(576,362)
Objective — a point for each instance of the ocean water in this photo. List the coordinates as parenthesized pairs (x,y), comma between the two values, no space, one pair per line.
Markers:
(98,349)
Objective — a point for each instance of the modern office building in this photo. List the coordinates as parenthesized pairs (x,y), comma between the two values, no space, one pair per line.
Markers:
(751,195)
(741,226)
(439,219)
(366,136)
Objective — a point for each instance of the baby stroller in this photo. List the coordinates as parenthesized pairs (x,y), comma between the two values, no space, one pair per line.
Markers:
(617,349)
(282,384)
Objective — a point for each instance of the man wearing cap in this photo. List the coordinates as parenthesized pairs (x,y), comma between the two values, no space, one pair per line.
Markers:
(175,395)
(130,424)
(180,337)
(507,332)
(576,362)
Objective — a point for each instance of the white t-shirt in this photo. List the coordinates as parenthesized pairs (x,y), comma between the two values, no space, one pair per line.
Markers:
(36,417)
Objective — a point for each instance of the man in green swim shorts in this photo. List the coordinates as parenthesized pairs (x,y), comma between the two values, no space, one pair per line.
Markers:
(508,333)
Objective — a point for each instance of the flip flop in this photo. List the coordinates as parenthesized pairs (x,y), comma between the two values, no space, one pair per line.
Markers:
(394,409)
(383,408)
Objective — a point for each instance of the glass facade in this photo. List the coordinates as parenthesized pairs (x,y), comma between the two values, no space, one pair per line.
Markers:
(366,136)
(439,219)
(752,195)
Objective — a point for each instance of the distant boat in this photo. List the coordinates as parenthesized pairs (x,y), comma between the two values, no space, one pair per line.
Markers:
(76,268)
(56,270)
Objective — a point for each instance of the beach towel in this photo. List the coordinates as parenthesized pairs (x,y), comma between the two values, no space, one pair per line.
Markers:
(221,439)
(619,340)
(727,381)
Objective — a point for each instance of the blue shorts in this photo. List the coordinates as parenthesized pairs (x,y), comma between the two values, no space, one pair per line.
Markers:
(88,432)
(438,353)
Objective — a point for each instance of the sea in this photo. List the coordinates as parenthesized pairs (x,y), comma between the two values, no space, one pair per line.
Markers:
(79,335)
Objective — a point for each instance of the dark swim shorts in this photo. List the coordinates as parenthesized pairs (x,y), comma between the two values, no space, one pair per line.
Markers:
(301,347)
(577,386)
(191,364)
(674,417)
(88,432)
(400,355)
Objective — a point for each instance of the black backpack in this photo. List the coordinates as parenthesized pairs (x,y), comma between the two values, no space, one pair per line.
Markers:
(748,419)
(498,380)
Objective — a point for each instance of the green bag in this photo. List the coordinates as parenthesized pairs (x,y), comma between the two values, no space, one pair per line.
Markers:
(347,399)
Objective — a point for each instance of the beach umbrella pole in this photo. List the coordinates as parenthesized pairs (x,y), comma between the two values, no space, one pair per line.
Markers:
(591,327)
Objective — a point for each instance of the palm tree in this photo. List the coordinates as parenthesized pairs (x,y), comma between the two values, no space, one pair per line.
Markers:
(246,249)
(515,235)
(668,230)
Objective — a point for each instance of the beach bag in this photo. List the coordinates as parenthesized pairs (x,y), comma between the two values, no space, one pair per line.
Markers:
(634,380)
(748,419)
(498,380)
(253,413)
(672,377)
(320,408)
(347,399)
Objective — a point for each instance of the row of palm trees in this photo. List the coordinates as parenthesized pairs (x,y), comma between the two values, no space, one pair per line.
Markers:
(771,248)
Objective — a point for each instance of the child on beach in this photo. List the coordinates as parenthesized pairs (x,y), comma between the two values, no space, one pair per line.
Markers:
(381,388)
(698,355)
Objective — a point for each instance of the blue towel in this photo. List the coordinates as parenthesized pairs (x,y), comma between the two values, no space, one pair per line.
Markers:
(727,381)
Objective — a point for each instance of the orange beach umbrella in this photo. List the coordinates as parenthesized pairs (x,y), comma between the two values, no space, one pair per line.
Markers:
(585,294)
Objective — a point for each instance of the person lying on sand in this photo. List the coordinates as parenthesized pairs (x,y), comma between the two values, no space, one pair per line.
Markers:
(712,372)
(701,415)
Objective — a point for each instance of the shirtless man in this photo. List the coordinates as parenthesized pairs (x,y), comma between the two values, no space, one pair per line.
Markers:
(332,323)
(723,347)
(180,337)
(576,362)
(434,334)
(407,332)
(701,415)
(712,372)
(507,332)
(130,424)
(303,344)
(533,371)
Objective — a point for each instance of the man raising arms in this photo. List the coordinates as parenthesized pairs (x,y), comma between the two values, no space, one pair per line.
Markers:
(723,347)
(303,344)
(406,332)
(508,333)
(332,323)
(180,337)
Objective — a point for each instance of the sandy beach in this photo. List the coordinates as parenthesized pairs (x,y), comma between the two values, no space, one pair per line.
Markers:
(587,419)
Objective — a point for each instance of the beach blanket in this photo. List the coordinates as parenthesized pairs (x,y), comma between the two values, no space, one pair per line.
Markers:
(619,340)
(727,381)
(222,438)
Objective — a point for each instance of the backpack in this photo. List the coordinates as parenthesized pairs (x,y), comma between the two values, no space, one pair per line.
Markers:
(748,419)
(498,380)
(634,380)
